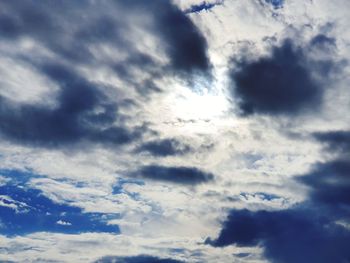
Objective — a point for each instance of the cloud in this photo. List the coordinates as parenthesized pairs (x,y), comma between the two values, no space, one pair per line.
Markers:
(281,83)
(165,147)
(63,223)
(137,259)
(178,175)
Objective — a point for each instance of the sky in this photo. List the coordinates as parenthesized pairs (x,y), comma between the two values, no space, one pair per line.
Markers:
(175,131)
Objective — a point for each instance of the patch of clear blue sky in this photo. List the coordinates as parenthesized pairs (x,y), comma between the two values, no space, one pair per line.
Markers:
(26,210)
(204,6)
(275,3)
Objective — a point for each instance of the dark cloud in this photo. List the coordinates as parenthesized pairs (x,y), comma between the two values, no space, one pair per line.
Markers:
(164,147)
(178,175)
(25,210)
(281,83)
(83,113)
(136,259)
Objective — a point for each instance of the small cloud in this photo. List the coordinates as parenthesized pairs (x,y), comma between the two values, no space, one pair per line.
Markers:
(63,223)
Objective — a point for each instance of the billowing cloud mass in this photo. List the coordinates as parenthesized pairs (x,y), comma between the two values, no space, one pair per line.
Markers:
(174,131)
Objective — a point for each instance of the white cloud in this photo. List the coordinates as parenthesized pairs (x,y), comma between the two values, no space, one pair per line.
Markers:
(63,223)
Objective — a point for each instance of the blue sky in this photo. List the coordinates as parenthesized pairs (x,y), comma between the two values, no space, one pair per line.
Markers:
(174,131)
